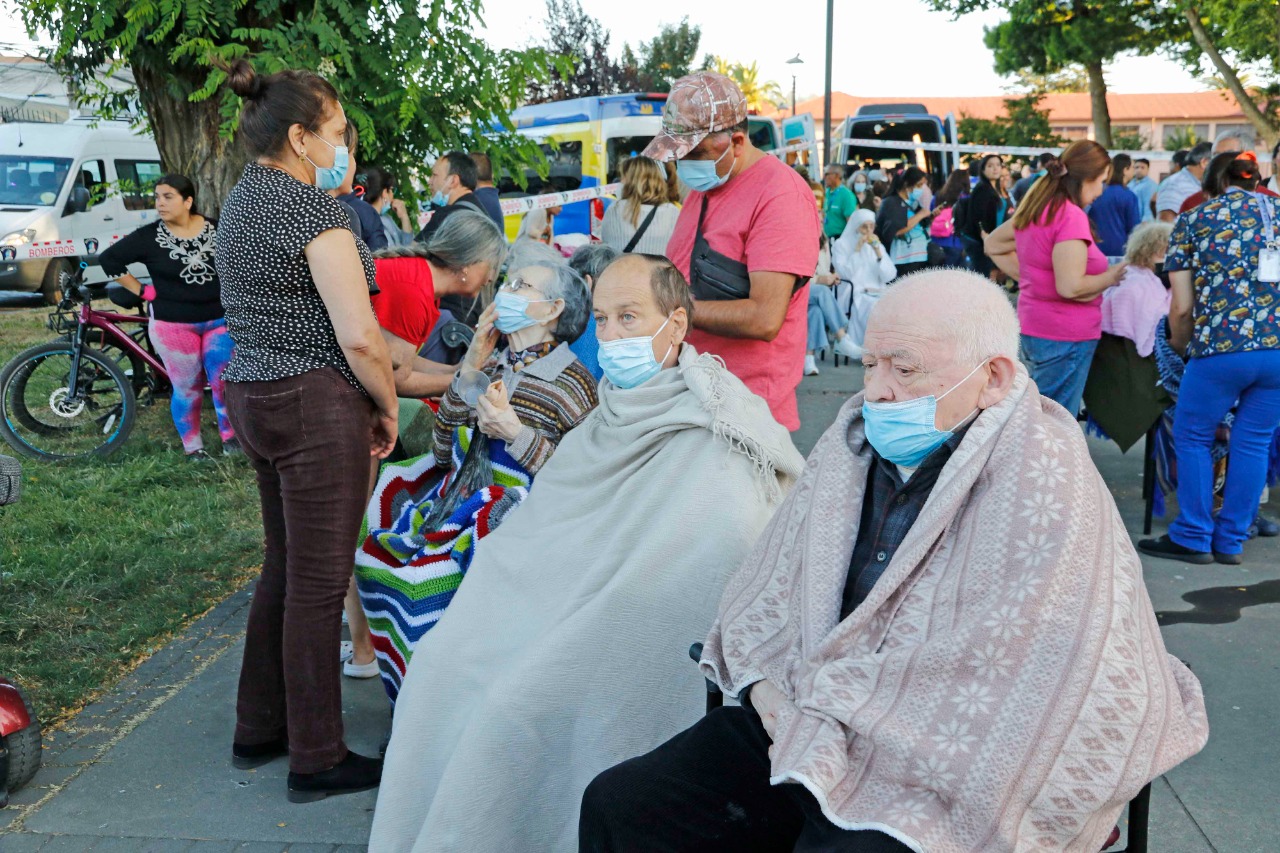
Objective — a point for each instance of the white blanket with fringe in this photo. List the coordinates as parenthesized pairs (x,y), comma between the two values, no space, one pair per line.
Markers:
(565,652)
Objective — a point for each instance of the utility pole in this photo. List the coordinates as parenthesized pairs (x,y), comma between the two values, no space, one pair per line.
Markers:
(826,94)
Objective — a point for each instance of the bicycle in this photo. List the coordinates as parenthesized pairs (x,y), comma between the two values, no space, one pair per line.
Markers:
(72,398)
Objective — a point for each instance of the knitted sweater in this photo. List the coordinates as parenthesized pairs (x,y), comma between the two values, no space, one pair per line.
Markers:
(550,396)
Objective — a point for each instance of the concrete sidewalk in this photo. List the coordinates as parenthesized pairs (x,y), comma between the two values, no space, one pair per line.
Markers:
(147,769)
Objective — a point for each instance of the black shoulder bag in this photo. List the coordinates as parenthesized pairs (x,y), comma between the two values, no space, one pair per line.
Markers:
(713,275)
(644,226)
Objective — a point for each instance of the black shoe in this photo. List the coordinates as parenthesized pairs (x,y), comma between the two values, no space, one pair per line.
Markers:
(1170,550)
(1228,559)
(1266,527)
(199,456)
(249,756)
(231,447)
(351,774)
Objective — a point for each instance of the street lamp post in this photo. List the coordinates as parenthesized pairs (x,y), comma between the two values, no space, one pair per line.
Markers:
(795,60)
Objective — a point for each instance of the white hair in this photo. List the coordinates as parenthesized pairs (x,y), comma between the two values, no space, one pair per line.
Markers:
(1245,136)
(975,315)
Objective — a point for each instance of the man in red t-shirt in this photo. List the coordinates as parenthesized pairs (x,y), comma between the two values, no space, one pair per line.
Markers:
(760,229)
(407,311)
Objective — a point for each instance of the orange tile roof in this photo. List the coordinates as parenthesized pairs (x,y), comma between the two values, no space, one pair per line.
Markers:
(1065,108)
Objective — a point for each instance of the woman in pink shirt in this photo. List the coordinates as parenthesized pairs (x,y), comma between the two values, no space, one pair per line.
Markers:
(1048,246)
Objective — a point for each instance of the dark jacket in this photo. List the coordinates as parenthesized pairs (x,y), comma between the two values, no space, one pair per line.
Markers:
(371,229)
(984,210)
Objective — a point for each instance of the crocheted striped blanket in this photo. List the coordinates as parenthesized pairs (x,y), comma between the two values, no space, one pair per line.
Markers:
(408,574)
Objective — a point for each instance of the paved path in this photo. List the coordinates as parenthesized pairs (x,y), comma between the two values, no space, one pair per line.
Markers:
(145,768)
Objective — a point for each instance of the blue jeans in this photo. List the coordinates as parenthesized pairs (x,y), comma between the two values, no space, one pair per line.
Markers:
(1210,387)
(824,316)
(1059,368)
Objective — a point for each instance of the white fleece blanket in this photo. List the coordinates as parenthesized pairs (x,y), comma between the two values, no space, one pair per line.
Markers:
(564,651)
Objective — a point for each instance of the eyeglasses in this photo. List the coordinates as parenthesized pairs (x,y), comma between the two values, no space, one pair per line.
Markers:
(517,284)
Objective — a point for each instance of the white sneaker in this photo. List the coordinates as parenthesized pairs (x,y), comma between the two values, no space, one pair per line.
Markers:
(810,366)
(846,347)
(351,669)
(346,649)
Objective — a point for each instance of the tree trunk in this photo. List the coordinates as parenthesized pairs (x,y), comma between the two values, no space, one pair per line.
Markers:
(1256,117)
(1098,102)
(187,135)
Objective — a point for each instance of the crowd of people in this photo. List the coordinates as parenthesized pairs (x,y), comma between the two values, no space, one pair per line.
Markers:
(915,622)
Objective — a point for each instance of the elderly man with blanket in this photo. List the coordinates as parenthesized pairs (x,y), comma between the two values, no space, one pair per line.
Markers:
(561,654)
(942,641)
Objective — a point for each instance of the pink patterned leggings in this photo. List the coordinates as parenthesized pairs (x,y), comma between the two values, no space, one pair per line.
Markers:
(191,352)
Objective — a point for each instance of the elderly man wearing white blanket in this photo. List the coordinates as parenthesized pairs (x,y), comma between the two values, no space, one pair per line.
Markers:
(564,651)
(942,641)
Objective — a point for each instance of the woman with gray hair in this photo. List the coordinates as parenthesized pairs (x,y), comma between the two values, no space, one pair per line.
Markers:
(1134,307)
(524,397)
(459,259)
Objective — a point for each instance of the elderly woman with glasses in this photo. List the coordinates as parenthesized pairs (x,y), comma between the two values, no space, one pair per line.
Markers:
(427,515)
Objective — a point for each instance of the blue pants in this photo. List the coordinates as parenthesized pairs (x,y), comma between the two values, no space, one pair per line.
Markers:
(1210,387)
(1059,368)
(824,316)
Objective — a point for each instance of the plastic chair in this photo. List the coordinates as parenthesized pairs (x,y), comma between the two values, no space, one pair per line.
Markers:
(1139,806)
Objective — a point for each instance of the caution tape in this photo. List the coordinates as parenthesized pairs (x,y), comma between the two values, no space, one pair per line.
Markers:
(515,206)
(798,146)
(996,149)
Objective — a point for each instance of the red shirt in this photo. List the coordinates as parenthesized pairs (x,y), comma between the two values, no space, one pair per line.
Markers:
(406,307)
(765,217)
(1195,200)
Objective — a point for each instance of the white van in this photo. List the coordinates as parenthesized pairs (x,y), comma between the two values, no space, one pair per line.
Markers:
(68,191)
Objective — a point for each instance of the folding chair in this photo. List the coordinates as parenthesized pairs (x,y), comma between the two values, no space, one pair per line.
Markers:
(1139,806)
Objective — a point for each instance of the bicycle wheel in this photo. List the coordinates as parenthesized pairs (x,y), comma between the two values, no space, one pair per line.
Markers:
(36,417)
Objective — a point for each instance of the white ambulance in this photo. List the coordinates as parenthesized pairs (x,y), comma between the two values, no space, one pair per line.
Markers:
(67,191)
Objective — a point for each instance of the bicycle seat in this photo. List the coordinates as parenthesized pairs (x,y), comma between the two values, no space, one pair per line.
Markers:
(122,296)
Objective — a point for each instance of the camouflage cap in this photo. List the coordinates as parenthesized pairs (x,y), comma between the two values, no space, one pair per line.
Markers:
(698,105)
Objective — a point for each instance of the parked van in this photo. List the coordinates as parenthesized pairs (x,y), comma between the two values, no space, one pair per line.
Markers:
(68,191)
(897,123)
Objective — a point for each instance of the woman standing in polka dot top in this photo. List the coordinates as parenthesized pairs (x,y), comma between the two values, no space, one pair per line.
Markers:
(311,397)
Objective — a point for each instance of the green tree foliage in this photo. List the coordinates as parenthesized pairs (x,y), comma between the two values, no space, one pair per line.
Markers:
(1128,142)
(757,92)
(1232,35)
(665,58)
(413,78)
(584,68)
(1047,37)
(1177,140)
(1023,124)
(1071,79)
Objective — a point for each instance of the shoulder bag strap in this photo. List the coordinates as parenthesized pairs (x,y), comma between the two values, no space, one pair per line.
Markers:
(644,226)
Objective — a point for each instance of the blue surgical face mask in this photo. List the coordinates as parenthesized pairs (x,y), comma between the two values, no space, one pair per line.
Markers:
(628,362)
(439,199)
(701,175)
(859,187)
(384,208)
(513,312)
(914,197)
(331,177)
(905,433)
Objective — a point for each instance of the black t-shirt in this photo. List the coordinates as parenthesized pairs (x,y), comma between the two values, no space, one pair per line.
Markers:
(466,202)
(182,270)
(275,316)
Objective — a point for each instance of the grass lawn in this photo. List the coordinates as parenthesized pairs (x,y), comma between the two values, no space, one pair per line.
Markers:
(100,561)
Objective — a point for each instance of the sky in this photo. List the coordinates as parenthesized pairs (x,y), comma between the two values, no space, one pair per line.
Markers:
(915,51)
